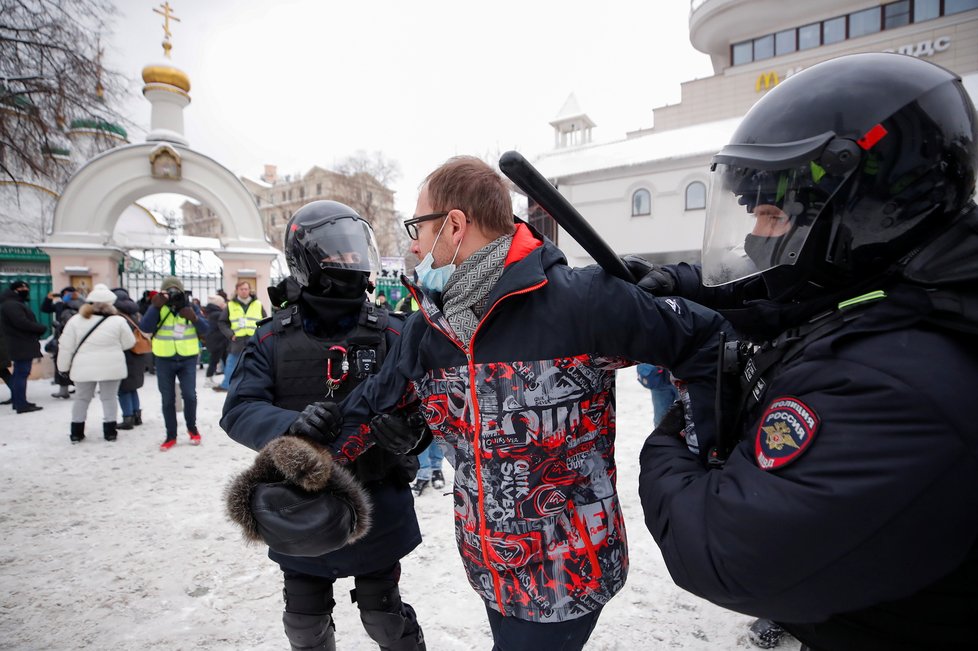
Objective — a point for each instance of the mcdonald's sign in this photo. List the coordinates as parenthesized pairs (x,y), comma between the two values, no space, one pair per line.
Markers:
(767,80)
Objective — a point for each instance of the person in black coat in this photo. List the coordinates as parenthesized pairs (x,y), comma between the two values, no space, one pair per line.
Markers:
(132,413)
(321,520)
(63,306)
(215,340)
(842,501)
(23,335)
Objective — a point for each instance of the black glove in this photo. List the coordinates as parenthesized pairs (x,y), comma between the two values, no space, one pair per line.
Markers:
(673,423)
(650,277)
(398,434)
(188,313)
(320,421)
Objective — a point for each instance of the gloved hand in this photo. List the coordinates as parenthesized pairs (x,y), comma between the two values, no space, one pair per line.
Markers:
(158,300)
(673,423)
(188,313)
(650,277)
(398,434)
(320,421)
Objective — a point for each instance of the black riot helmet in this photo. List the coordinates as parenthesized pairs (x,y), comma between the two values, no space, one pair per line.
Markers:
(840,171)
(330,249)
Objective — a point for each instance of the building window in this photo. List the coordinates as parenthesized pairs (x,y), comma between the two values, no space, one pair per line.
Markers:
(896,14)
(319,189)
(809,36)
(864,22)
(695,196)
(273,219)
(743,53)
(834,30)
(283,196)
(764,47)
(641,203)
(541,221)
(957,6)
(302,192)
(926,10)
(785,42)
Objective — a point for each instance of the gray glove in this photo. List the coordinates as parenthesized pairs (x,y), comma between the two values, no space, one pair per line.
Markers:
(650,277)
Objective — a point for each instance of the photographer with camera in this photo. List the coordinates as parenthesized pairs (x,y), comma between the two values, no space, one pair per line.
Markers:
(175,323)
(325,338)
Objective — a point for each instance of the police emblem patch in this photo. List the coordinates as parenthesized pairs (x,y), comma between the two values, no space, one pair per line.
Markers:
(786,430)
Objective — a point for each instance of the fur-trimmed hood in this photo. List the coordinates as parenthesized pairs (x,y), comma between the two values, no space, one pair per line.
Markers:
(296,500)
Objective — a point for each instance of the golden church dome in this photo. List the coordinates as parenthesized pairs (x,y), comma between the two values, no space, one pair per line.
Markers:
(160,73)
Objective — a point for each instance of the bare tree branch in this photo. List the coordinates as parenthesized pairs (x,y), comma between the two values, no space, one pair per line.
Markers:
(50,75)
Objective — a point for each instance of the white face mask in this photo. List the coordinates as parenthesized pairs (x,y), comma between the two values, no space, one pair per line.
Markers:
(434,280)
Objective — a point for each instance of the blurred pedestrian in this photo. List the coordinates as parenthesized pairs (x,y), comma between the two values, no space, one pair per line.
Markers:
(5,374)
(238,322)
(63,305)
(657,380)
(215,341)
(175,322)
(23,334)
(91,352)
(429,472)
(136,362)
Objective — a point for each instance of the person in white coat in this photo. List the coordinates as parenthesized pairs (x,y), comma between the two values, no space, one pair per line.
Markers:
(91,351)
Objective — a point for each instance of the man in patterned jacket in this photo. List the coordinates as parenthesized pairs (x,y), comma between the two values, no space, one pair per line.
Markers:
(518,381)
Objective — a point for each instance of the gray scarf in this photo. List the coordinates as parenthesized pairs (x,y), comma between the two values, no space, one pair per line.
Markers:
(465,294)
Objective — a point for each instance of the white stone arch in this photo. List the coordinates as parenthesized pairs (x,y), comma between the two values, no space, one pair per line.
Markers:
(97,194)
(81,237)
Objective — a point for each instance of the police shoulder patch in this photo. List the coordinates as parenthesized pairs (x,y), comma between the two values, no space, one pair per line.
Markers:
(786,430)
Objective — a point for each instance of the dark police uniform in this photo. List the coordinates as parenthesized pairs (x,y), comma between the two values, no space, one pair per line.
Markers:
(847,512)
(289,364)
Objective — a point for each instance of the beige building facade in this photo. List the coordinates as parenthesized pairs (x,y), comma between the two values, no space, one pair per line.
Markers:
(646,193)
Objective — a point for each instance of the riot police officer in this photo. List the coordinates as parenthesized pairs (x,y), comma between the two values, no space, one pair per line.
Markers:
(842,240)
(323,340)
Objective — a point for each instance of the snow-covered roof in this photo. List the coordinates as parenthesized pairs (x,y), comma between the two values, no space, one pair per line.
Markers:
(706,138)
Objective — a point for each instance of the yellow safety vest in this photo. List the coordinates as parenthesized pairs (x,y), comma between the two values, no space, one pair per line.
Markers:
(244,322)
(176,336)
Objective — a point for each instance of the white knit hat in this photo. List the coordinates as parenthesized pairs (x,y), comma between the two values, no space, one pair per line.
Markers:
(101,294)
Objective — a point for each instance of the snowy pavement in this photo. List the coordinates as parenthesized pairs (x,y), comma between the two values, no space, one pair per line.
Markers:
(120,546)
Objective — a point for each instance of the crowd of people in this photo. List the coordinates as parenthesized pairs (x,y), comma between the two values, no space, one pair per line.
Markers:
(105,340)
(821,354)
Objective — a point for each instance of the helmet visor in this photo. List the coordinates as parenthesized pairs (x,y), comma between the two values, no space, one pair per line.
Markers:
(340,243)
(758,219)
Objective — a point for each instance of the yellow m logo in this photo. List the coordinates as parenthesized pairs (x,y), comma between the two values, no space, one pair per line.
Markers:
(767,80)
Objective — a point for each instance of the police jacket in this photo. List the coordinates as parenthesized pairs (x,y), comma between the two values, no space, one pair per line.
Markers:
(849,510)
(527,412)
(282,369)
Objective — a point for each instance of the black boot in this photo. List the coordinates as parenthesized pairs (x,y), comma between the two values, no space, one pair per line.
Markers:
(108,431)
(128,422)
(765,634)
(77,432)
(137,417)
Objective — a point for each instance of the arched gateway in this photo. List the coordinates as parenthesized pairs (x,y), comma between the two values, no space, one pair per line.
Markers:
(81,240)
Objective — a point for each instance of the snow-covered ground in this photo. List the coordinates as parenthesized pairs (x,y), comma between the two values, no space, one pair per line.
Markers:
(120,546)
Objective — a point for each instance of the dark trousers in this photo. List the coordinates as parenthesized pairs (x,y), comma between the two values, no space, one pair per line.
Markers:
(168,370)
(18,382)
(512,634)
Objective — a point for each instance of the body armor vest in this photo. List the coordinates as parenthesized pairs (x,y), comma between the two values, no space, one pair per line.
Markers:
(311,369)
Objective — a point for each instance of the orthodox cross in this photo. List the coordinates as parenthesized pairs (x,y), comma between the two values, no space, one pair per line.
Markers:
(167,14)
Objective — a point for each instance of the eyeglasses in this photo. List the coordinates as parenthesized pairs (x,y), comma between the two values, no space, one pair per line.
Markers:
(411,225)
